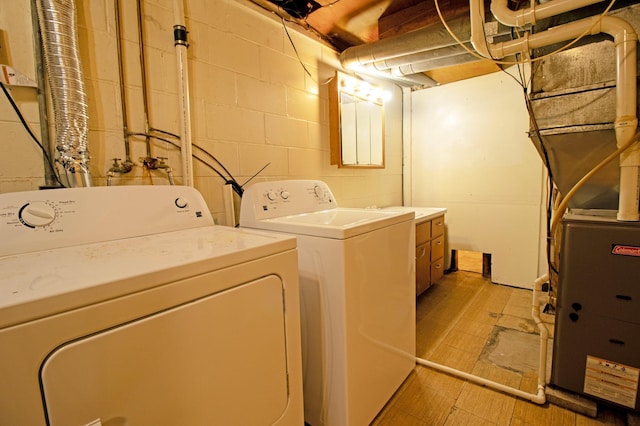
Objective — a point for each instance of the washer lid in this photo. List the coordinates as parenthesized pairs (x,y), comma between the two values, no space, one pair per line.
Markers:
(338,223)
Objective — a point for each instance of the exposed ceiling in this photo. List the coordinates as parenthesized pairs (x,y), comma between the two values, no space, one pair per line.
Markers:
(346,23)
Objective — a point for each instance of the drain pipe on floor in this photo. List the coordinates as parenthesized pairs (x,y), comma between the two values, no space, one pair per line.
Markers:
(539,299)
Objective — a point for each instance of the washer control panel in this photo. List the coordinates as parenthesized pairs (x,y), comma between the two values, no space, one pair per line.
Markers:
(39,220)
(266,200)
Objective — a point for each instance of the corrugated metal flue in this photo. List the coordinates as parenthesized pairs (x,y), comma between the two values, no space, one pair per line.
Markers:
(57,20)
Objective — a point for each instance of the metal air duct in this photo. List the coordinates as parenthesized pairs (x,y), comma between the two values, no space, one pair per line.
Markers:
(410,54)
(589,112)
(57,20)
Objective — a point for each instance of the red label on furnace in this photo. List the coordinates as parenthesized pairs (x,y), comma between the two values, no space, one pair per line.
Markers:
(625,250)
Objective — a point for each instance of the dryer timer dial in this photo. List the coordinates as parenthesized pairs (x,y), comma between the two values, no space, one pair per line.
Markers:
(37,214)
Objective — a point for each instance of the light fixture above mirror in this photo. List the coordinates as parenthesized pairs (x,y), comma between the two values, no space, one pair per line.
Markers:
(356,122)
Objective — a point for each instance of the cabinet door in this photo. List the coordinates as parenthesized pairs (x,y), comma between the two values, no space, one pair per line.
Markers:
(423,267)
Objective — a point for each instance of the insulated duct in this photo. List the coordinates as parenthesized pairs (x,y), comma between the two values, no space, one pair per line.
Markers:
(57,20)
(410,54)
(411,43)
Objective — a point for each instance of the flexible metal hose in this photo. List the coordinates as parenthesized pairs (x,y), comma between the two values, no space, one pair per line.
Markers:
(57,20)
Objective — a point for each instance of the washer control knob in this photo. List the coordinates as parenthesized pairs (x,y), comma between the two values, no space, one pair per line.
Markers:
(36,214)
(285,195)
(272,196)
(181,203)
(319,192)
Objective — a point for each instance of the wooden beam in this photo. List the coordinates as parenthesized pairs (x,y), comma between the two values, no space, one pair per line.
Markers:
(463,71)
(408,15)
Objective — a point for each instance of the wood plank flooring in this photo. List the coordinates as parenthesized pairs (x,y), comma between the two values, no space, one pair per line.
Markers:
(460,322)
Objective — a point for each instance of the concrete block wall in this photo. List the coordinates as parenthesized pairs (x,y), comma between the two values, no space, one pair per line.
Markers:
(252,102)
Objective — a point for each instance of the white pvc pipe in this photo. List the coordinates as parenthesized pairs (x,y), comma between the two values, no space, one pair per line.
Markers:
(518,18)
(180,36)
(629,187)
(591,26)
(538,398)
(539,299)
(625,40)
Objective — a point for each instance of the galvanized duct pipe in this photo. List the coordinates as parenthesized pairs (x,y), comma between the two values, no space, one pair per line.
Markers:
(411,43)
(415,52)
(57,20)
(438,54)
(419,66)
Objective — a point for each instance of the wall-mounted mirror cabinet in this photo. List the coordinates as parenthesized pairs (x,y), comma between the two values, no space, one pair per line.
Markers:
(356,123)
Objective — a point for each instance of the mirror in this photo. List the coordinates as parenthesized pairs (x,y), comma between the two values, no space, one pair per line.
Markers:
(356,123)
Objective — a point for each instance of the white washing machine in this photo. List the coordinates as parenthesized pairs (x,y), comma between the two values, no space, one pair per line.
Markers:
(357,285)
(125,305)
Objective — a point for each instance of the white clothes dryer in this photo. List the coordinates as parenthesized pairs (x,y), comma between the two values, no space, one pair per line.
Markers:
(126,305)
(357,285)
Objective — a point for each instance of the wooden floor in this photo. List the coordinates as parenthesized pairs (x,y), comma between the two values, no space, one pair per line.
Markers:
(461,322)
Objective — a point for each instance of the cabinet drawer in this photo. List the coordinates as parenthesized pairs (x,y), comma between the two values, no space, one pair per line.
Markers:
(423,232)
(437,247)
(437,226)
(437,270)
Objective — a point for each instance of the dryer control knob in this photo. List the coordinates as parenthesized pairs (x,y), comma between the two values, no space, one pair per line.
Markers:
(285,195)
(36,214)
(181,203)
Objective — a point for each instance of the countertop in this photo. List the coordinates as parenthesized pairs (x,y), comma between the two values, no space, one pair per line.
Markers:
(422,213)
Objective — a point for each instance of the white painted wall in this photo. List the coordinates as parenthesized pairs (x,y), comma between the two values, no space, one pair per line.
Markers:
(251,100)
(470,153)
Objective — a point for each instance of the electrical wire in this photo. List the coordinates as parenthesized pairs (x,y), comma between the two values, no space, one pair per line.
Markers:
(256,174)
(199,147)
(33,136)
(296,50)
(545,156)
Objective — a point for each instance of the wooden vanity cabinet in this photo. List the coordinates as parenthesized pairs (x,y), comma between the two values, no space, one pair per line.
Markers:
(429,252)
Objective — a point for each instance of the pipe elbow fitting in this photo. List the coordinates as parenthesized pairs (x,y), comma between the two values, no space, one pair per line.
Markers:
(621,30)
